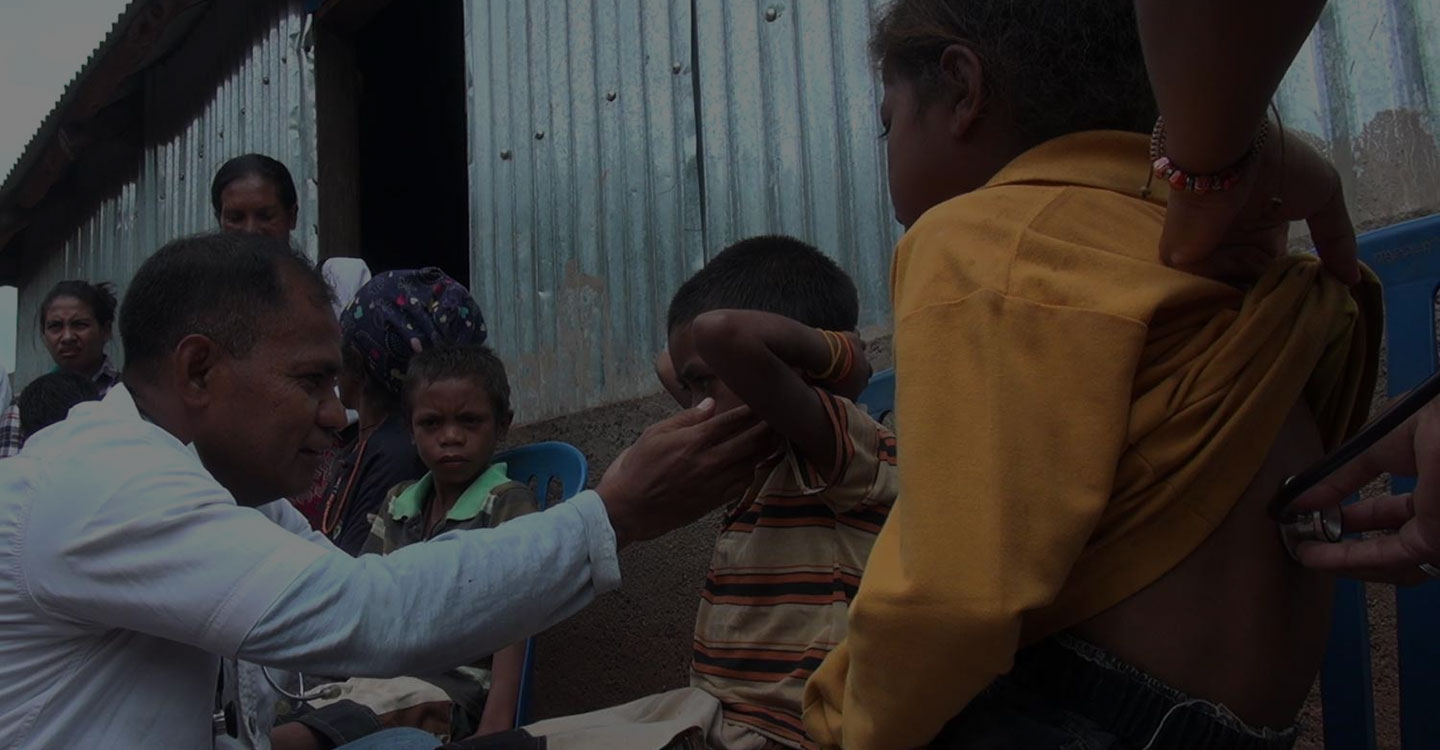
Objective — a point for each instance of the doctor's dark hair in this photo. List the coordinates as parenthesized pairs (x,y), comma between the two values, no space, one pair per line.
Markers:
(228,287)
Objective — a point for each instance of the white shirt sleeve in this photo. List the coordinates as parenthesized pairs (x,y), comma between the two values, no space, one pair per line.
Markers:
(283,514)
(155,545)
(138,536)
(429,607)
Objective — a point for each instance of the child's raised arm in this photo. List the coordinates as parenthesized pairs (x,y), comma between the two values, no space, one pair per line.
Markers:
(772,363)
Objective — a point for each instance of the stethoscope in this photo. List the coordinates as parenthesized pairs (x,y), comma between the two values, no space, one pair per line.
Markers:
(324,692)
(225,721)
(1327,524)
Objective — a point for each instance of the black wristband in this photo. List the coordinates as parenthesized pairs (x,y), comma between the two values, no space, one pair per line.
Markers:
(341,722)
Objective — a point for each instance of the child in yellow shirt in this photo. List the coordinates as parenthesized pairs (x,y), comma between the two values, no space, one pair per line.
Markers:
(1080,554)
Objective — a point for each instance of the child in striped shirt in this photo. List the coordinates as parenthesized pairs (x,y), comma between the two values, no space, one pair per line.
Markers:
(768,323)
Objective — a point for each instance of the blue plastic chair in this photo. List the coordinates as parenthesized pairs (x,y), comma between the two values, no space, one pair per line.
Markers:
(879,396)
(1406,257)
(537,465)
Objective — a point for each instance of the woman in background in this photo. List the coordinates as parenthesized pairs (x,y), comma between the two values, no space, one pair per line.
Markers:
(255,194)
(75,322)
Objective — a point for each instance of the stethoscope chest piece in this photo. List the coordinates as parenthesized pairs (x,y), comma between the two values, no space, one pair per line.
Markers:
(1311,526)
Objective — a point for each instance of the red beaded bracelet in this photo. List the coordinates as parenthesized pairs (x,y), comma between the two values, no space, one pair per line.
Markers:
(1220,181)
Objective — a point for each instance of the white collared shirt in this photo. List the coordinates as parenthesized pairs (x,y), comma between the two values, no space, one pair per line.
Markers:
(129,572)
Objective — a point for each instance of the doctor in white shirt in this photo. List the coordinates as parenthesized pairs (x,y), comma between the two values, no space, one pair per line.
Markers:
(141,545)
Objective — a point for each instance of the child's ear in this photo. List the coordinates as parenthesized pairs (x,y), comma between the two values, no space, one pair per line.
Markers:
(502,427)
(963,77)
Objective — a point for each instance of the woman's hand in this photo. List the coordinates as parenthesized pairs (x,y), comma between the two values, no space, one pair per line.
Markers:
(1237,232)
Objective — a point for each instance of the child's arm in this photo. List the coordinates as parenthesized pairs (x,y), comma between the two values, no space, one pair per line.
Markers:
(760,356)
(507,663)
(505,668)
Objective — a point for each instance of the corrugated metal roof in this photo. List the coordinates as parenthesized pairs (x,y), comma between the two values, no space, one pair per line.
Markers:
(264,102)
(152,28)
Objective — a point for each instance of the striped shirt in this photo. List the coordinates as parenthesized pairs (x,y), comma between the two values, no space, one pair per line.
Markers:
(786,566)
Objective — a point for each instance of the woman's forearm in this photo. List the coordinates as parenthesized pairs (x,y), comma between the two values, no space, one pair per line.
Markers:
(1214,65)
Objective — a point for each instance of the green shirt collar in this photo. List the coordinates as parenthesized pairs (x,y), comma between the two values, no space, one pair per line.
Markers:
(409,503)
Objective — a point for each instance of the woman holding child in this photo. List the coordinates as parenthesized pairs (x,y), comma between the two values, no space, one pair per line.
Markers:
(395,316)
(455,402)
(433,404)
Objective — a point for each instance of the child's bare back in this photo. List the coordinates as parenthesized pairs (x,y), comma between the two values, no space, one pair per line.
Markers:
(1237,621)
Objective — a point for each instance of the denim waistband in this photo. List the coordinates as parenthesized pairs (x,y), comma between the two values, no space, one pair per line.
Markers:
(1137,708)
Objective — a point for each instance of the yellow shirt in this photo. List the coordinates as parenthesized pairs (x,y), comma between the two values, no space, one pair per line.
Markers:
(1077,418)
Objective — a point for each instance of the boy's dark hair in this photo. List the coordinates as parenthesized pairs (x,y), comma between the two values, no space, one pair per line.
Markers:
(774,274)
(1061,66)
(229,287)
(100,298)
(254,165)
(48,399)
(477,364)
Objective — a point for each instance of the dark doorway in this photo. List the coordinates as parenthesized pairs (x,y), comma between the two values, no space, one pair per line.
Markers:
(414,185)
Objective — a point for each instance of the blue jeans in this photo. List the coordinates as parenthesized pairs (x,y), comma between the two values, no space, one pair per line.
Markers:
(1066,694)
(395,739)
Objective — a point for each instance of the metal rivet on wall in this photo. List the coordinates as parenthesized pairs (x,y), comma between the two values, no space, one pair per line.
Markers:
(676,68)
(539,135)
(265,80)
(610,96)
(772,13)
(505,155)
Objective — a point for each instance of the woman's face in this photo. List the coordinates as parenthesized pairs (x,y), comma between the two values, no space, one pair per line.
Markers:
(252,205)
(74,338)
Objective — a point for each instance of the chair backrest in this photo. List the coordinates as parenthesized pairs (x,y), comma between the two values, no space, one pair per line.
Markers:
(538,465)
(879,396)
(1406,257)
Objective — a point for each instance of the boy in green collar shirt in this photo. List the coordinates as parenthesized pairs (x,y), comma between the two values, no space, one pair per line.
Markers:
(457,401)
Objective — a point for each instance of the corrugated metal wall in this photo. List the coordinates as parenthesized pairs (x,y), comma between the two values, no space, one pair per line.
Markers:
(1366,86)
(595,190)
(790,124)
(585,190)
(615,143)
(767,116)
(264,103)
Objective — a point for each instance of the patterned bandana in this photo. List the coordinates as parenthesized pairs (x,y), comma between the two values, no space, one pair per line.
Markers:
(401,313)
